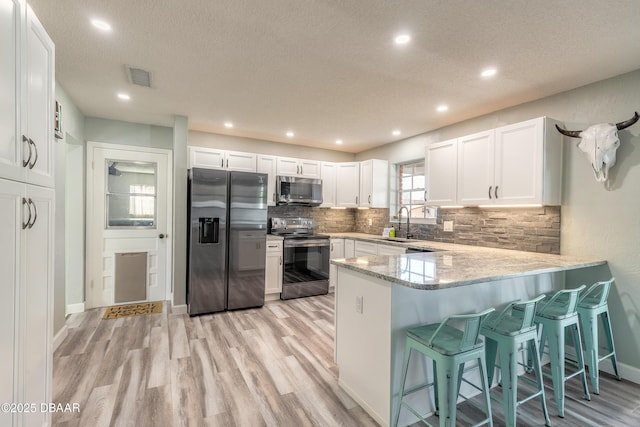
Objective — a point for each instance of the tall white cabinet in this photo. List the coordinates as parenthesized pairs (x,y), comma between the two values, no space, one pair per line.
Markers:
(441,166)
(26,212)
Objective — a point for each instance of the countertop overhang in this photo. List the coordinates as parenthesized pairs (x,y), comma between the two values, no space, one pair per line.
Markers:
(451,265)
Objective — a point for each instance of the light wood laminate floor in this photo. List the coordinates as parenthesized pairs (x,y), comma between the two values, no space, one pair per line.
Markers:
(260,367)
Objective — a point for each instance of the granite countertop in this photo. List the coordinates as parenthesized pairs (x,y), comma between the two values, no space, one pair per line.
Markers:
(274,237)
(452,265)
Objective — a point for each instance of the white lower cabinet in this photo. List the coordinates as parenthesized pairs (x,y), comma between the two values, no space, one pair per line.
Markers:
(349,248)
(365,248)
(337,251)
(391,250)
(273,270)
(26,329)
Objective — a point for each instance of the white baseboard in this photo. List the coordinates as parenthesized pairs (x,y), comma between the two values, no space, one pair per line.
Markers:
(59,337)
(627,372)
(179,309)
(272,297)
(75,308)
(369,410)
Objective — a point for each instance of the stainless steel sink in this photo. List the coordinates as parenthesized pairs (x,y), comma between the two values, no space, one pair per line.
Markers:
(397,239)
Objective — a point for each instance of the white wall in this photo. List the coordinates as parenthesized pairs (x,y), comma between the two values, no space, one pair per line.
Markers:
(236,143)
(127,133)
(597,220)
(69,181)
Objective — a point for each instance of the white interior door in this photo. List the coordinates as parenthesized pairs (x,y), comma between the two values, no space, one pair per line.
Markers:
(128,224)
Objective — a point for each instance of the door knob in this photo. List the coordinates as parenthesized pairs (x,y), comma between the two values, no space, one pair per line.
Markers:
(161,236)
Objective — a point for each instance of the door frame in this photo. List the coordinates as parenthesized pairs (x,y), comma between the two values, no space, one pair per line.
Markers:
(90,240)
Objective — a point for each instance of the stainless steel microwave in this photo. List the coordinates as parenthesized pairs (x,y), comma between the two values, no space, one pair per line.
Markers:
(296,191)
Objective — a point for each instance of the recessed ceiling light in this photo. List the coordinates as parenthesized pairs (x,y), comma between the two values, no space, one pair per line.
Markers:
(396,132)
(124,96)
(228,124)
(101,25)
(402,39)
(338,141)
(489,72)
(291,134)
(442,108)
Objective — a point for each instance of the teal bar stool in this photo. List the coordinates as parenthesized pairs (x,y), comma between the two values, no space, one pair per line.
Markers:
(593,304)
(555,315)
(508,334)
(449,348)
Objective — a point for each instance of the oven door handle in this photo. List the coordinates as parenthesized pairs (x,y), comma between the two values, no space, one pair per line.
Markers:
(306,243)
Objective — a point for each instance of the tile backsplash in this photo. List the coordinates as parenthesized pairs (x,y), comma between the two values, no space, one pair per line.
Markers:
(526,229)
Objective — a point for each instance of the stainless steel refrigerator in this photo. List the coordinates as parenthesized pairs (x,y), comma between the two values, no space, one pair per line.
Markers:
(226,240)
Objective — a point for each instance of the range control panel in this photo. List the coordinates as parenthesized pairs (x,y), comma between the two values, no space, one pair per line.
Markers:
(292,225)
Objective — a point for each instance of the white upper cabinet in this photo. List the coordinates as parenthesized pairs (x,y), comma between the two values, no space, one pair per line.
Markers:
(27,102)
(267,164)
(515,164)
(475,168)
(328,175)
(298,167)
(441,166)
(528,167)
(210,158)
(348,184)
(374,184)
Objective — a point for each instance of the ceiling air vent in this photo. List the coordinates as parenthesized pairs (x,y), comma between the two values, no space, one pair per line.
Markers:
(138,76)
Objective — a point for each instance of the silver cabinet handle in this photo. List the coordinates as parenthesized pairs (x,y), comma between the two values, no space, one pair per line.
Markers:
(297,170)
(280,259)
(425,195)
(35,147)
(26,162)
(332,247)
(369,200)
(356,200)
(273,246)
(161,236)
(301,171)
(24,202)
(35,214)
(227,163)
(496,192)
(490,187)
(274,197)
(221,163)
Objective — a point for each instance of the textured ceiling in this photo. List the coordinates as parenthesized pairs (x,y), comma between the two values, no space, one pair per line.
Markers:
(329,69)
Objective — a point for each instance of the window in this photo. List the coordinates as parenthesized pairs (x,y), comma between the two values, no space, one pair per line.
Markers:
(411,189)
(131,194)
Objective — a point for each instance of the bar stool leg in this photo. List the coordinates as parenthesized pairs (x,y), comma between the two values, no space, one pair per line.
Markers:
(538,372)
(556,354)
(509,379)
(491,349)
(612,349)
(405,366)
(447,377)
(590,330)
(577,343)
(436,403)
(482,364)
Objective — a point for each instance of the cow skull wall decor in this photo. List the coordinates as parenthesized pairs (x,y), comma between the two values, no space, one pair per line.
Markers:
(600,143)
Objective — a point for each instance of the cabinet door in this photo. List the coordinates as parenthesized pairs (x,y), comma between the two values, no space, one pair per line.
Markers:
(207,158)
(337,248)
(441,168)
(328,176)
(349,248)
(365,248)
(366,183)
(309,168)
(348,177)
(518,162)
(11,194)
(36,329)
(475,168)
(267,164)
(288,166)
(10,143)
(273,271)
(39,102)
(238,161)
(391,250)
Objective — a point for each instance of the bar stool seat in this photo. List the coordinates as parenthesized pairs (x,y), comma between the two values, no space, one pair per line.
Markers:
(449,348)
(508,335)
(554,315)
(591,305)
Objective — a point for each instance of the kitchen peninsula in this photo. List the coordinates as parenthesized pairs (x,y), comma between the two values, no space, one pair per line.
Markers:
(379,297)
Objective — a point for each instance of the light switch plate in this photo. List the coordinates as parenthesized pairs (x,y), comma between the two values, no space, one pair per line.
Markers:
(448,226)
